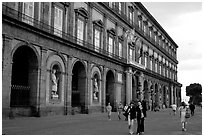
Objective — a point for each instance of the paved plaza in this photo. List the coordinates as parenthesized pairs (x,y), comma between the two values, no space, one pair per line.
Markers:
(156,123)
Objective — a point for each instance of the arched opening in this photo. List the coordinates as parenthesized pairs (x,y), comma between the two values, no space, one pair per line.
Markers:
(78,86)
(24,81)
(110,84)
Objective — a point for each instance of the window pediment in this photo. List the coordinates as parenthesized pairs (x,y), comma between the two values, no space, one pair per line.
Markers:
(112,31)
(98,23)
(83,12)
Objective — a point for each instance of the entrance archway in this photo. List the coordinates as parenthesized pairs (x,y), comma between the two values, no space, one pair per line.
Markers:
(78,87)
(24,81)
(110,84)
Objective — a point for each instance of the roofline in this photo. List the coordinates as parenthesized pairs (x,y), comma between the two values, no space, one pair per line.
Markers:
(141,6)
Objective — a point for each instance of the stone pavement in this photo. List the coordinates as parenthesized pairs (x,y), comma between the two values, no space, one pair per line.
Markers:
(156,123)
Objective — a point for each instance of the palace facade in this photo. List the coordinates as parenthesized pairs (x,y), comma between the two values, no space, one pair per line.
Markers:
(65,57)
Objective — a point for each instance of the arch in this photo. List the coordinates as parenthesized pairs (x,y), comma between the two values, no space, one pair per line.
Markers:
(28,45)
(110,88)
(24,79)
(60,59)
(79,84)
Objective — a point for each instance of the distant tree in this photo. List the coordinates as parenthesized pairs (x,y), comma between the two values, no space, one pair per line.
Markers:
(194,91)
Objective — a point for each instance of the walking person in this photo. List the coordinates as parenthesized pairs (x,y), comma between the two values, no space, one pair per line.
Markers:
(183,109)
(192,108)
(141,114)
(109,109)
(125,112)
(120,110)
(131,111)
(174,108)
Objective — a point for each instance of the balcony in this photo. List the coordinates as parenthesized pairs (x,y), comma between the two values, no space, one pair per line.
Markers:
(136,64)
(14,15)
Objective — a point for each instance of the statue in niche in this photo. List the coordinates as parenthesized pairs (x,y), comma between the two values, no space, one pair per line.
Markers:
(95,90)
(54,80)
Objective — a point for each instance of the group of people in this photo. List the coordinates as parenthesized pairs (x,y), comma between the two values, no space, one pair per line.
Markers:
(137,111)
(184,113)
(133,111)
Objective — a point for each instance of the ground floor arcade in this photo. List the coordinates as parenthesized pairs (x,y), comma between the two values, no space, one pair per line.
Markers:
(40,81)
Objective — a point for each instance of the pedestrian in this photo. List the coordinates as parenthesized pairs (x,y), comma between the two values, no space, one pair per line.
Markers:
(125,113)
(109,109)
(120,110)
(131,117)
(183,109)
(192,108)
(173,106)
(141,114)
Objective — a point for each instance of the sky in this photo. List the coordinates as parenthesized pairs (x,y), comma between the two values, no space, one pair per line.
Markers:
(184,24)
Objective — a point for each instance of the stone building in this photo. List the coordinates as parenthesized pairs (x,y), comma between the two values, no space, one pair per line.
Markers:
(65,57)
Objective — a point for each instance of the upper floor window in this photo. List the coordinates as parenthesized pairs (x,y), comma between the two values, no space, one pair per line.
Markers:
(58,21)
(80,30)
(130,11)
(120,7)
(156,69)
(28,11)
(97,31)
(111,40)
(110,45)
(160,69)
(81,18)
(145,61)
(131,54)
(120,49)
(151,67)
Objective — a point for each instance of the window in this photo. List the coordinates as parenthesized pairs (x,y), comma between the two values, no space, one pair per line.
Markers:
(120,7)
(97,39)
(131,14)
(131,54)
(111,4)
(28,10)
(156,69)
(145,61)
(150,64)
(120,49)
(80,31)
(97,31)
(110,45)
(164,71)
(58,21)
(160,69)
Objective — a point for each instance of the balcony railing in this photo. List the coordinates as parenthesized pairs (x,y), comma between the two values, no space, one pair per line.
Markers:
(58,33)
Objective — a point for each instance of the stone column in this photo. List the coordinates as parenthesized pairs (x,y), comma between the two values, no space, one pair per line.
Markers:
(42,85)
(141,80)
(128,85)
(69,84)
(103,90)
(6,74)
